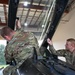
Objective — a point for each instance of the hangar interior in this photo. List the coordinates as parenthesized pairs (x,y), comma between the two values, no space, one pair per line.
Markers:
(37,16)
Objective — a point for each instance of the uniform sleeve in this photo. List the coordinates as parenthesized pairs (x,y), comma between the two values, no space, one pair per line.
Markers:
(8,54)
(60,52)
(73,59)
(34,42)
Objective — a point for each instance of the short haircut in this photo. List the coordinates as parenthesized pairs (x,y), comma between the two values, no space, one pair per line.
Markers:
(71,40)
(6,31)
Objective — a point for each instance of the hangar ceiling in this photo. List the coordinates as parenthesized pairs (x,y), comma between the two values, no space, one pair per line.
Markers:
(30,12)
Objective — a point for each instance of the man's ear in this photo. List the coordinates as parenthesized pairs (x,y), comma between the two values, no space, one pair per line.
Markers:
(6,37)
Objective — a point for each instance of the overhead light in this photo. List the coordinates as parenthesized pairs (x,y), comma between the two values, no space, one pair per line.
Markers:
(25,3)
(43,26)
(25,24)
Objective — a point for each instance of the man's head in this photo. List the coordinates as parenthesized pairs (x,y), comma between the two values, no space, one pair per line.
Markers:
(7,33)
(70,44)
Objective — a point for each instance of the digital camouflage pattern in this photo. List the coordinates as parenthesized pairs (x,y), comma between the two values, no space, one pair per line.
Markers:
(20,48)
(70,57)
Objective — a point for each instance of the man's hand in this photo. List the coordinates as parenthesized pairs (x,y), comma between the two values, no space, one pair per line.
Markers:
(18,24)
(49,42)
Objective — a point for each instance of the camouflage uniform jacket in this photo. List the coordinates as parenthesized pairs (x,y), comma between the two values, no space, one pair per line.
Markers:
(70,57)
(21,47)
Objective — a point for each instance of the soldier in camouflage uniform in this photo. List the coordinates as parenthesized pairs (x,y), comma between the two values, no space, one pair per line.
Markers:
(20,46)
(68,52)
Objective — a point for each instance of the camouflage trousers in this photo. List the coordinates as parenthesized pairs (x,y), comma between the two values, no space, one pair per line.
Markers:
(9,70)
(12,70)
